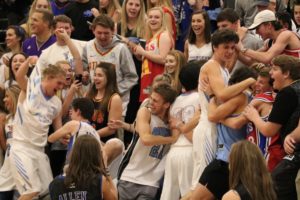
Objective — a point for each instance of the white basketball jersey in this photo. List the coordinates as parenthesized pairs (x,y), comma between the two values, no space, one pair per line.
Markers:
(147,163)
(35,114)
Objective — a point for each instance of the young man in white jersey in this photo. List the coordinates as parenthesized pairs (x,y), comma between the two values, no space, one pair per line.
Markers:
(214,181)
(38,107)
(81,112)
(143,165)
(215,74)
(185,109)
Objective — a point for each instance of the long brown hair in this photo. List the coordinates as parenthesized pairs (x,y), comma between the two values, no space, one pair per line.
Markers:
(86,162)
(110,88)
(207,30)
(247,166)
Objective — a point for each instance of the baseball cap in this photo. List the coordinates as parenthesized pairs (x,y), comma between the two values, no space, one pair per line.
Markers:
(261,2)
(261,17)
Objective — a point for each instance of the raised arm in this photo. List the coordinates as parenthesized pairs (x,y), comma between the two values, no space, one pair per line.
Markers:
(21,76)
(73,49)
(69,97)
(216,82)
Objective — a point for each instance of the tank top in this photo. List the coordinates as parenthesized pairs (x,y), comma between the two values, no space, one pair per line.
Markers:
(146,164)
(243,193)
(150,69)
(100,119)
(202,53)
(270,146)
(83,129)
(92,191)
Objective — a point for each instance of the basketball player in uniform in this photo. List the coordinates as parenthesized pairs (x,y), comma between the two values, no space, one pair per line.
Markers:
(143,165)
(37,108)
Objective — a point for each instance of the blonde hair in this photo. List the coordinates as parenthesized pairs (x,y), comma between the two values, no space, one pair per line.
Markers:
(53,71)
(167,3)
(13,92)
(149,33)
(138,29)
(180,62)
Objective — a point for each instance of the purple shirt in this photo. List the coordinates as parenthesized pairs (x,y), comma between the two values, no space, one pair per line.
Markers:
(30,47)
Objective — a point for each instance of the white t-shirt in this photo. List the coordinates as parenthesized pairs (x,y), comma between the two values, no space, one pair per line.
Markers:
(56,53)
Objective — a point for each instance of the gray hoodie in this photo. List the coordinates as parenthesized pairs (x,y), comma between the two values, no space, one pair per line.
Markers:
(118,54)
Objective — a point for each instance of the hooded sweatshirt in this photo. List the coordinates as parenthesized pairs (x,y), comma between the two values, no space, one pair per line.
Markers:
(118,54)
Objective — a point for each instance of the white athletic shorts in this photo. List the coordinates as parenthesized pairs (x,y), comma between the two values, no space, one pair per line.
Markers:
(178,173)
(6,180)
(30,168)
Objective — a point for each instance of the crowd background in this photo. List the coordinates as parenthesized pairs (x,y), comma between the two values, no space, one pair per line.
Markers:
(233,66)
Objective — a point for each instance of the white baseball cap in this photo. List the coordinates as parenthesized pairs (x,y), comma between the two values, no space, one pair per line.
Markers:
(261,17)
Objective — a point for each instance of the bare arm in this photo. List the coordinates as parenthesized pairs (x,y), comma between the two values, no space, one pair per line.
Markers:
(185,127)
(231,195)
(216,82)
(268,129)
(115,113)
(186,50)
(21,77)
(144,130)
(67,129)
(69,98)
(168,20)
(235,122)
(165,45)
(217,113)
(2,132)
(109,190)
(265,57)
(73,49)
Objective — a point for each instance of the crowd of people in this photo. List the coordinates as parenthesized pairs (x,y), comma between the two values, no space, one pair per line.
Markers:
(151,99)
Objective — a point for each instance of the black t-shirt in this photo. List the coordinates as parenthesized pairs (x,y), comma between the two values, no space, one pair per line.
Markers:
(81,14)
(243,193)
(284,106)
(92,191)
